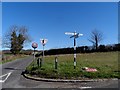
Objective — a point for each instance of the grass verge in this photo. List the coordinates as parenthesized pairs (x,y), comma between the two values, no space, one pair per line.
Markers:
(106,64)
(9,57)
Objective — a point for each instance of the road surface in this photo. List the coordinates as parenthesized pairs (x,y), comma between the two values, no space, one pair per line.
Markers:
(12,78)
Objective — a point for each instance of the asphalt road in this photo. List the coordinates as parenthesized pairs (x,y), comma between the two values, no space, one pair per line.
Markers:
(12,78)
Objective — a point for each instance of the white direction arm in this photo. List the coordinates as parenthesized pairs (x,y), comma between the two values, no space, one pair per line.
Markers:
(80,34)
(69,33)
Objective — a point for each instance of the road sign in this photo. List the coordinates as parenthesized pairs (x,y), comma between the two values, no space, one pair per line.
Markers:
(43,41)
(70,33)
(74,35)
(34,45)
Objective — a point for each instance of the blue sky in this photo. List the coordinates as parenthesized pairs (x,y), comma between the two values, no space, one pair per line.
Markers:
(51,20)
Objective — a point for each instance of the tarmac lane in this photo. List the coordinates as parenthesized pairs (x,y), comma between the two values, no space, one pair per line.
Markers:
(14,79)
(14,70)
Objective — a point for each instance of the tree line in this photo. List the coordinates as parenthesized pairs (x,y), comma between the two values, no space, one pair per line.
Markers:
(83,49)
(70,50)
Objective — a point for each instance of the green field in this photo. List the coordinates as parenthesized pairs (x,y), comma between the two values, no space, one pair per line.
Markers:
(106,64)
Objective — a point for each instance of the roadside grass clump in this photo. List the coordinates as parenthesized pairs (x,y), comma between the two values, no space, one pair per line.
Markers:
(106,64)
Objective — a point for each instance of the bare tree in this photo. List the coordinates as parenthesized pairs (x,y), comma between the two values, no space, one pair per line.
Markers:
(95,38)
(15,38)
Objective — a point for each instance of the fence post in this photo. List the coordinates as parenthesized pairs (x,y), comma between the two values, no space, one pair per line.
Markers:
(55,62)
(38,62)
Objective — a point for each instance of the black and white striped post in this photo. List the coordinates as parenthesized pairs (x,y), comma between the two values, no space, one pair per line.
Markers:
(74,53)
(75,35)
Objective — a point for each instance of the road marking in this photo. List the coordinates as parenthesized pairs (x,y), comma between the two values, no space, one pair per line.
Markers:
(8,74)
(84,87)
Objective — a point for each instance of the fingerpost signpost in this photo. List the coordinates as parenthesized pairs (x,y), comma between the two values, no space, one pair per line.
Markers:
(74,35)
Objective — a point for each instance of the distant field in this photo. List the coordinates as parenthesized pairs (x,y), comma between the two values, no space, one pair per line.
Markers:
(106,64)
(9,57)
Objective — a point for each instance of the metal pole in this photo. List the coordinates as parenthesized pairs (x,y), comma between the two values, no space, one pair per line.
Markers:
(40,62)
(74,53)
(43,55)
(34,57)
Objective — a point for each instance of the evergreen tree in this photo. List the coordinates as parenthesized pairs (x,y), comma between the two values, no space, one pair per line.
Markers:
(16,38)
(14,42)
